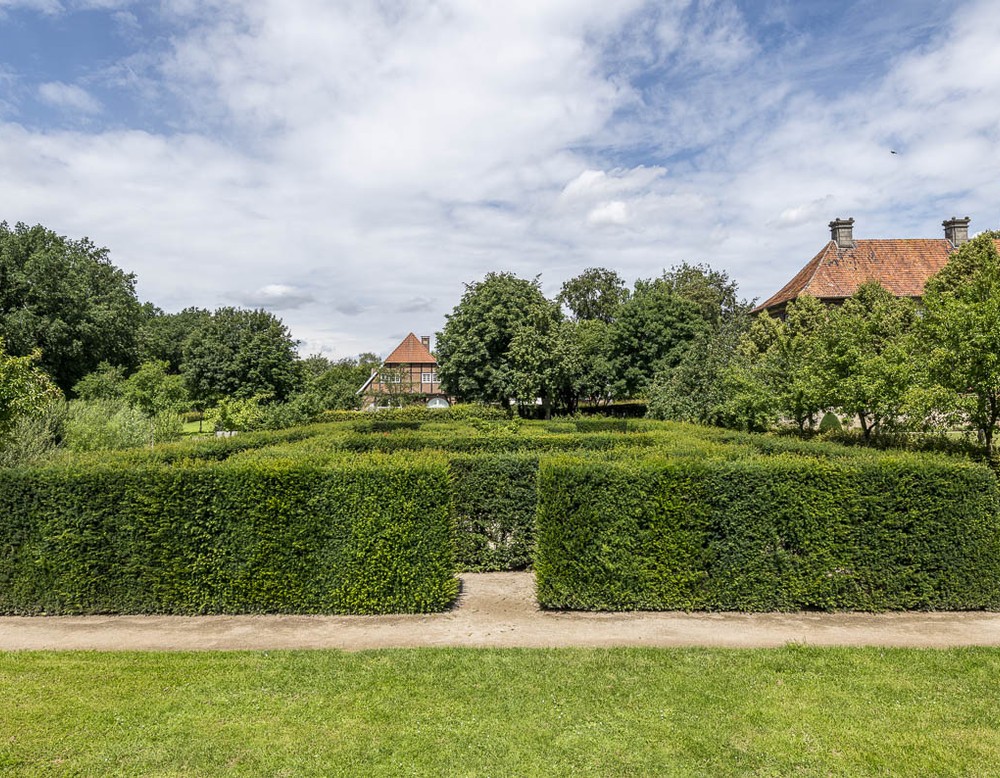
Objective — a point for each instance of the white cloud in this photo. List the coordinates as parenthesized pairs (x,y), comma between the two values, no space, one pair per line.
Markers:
(353,164)
(68,97)
(613,212)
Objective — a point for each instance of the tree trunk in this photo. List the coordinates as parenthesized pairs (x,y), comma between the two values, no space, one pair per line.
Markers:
(865,429)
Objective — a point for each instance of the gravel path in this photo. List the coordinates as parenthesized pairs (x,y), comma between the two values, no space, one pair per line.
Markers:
(498,610)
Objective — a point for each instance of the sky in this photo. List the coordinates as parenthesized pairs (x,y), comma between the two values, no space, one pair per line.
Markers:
(350,165)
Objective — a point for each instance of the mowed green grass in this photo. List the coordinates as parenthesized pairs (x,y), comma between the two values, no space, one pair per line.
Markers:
(791,711)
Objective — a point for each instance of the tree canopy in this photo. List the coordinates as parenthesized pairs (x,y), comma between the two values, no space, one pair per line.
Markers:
(651,333)
(240,353)
(474,348)
(596,294)
(960,332)
(65,298)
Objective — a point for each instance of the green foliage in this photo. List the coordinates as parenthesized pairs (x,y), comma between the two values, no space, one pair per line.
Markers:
(774,533)
(594,295)
(715,382)
(355,536)
(335,386)
(105,383)
(960,333)
(99,425)
(495,497)
(830,423)
(152,389)
(869,356)
(474,349)
(237,415)
(33,437)
(241,354)
(25,389)
(651,334)
(65,298)
(163,336)
(712,291)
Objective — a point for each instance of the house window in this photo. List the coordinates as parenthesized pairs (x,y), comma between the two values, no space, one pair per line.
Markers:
(391,378)
(428,378)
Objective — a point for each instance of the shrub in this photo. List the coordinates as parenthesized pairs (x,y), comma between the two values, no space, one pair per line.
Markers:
(830,423)
(768,533)
(372,535)
(94,425)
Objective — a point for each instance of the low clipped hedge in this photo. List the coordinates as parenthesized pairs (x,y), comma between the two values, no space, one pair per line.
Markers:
(768,534)
(373,535)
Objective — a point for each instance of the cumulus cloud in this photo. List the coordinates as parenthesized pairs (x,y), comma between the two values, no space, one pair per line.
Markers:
(69,97)
(377,156)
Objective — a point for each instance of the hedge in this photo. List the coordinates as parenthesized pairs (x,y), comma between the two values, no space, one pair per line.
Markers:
(768,534)
(369,536)
(495,498)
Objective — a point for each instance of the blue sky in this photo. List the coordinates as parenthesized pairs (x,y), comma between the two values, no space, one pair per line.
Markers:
(350,165)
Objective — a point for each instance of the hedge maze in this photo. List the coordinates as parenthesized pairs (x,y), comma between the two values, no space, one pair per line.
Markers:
(376,514)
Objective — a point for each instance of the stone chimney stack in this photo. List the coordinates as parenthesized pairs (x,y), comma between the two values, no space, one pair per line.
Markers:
(426,341)
(956,231)
(842,233)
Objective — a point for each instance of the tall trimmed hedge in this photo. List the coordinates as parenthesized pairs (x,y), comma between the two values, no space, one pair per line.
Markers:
(370,536)
(495,498)
(768,534)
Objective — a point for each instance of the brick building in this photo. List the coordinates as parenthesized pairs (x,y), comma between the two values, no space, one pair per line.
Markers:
(408,375)
(901,265)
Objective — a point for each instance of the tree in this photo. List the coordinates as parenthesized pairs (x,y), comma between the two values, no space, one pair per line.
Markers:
(717,381)
(960,330)
(107,382)
(24,387)
(153,389)
(162,336)
(868,356)
(242,354)
(335,385)
(474,348)
(787,357)
(595,373)
(651,333)
(712,291)
(594,295)
(65,298)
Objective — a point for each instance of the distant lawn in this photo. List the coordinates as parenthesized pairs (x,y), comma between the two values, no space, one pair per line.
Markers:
(512,712)
(191,427)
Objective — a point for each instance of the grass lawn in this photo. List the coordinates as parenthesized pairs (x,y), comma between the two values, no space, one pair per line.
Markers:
(792,711)
(191,428)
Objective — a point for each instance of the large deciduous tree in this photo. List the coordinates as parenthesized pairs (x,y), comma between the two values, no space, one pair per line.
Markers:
(960,331)
(65,298)
(651,334)
(474,348)
(712,291)
(868,356)
(241,353)
(596,294)
(162,336)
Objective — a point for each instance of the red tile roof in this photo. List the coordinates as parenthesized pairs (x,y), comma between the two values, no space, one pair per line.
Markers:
(901,265)
(410,352)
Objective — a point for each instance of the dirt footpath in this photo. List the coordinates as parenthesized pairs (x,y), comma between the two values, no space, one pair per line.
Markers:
(498,610)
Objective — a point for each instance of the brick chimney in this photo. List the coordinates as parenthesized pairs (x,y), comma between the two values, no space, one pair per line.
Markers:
(956,231)
(842,233)
(426,341)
